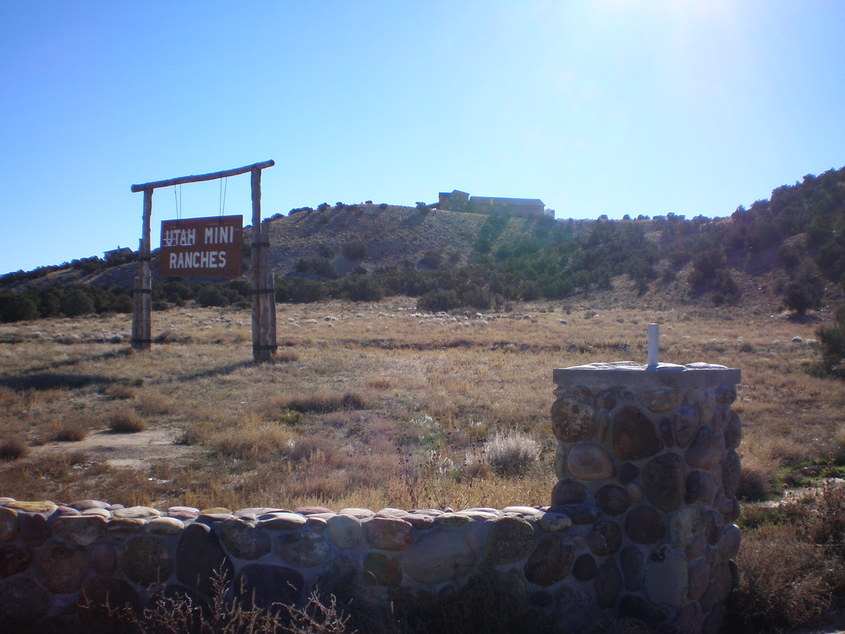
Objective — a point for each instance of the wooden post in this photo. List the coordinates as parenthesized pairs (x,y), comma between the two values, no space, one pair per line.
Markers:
(264,295)
(143,291)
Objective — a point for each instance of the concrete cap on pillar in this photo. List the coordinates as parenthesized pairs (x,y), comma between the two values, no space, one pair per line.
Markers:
(632,374)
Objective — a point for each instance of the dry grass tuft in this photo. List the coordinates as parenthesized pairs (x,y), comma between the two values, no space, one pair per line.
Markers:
(379,383)
(52,476)
(475,468)
(838,450)
(792,561)
(511,454)
(190,436)
(785,582)
(12,449)
(825,524)
(755,483)
(120,392)
(286,356)
(72,429)
(256,443)
(8,397)
(325,401)
(125,421)
(150,403)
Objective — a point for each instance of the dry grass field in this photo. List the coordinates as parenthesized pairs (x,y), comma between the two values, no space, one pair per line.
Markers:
(376,405)
(368,405)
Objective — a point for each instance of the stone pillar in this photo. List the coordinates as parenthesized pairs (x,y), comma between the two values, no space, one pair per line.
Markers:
(647,459)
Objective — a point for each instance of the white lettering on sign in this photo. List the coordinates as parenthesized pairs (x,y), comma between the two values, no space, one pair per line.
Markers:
(198,260)
(179,238)
(219,235)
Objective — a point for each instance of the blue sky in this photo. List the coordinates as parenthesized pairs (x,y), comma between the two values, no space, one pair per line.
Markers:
(603,107)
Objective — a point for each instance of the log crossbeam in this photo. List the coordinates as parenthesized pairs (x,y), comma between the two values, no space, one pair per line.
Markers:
(170,182)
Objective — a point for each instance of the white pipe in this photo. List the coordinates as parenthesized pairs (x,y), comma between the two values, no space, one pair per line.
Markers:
(653,344)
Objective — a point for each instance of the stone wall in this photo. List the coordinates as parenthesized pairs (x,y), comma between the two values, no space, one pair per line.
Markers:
(640,525)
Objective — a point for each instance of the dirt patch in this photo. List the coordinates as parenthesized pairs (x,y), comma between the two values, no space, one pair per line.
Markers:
(134,451)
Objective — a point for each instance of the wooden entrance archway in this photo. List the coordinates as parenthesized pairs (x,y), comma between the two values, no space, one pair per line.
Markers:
(263,293)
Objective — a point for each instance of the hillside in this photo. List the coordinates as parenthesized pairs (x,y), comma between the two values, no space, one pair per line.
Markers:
(786,251)
(390,234)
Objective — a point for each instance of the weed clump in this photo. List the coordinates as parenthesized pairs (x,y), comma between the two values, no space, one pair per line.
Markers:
(791,563)
(126,422)
(784,582)
(12,449)
(324,401)
(152,403)
(379,383)
(755,484)
(227,612)
(72,430)
(832,338)
(120,392)
(511,454)
(252,443)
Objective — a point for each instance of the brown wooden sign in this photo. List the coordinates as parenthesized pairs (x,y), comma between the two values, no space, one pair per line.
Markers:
(201,247)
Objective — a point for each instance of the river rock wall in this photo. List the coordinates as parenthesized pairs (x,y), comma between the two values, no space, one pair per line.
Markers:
(648,457)
(640,525)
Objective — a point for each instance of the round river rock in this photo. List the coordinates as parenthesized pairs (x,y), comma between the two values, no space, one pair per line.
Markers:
(573,420)
(589,461)
(632,435)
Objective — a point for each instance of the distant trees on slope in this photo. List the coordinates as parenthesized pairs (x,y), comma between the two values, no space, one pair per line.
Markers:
(801,228)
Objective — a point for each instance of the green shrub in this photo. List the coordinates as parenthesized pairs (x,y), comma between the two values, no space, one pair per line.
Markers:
(177,289)
(801,297)
(319,266)
(473,295)
(363,288)
(17,307)
(436,301)
(242,288)
(804,292)
(432,259)
(88,265)
(211,295)
(123,304)
(49,303)
(326,251)
(832,340)
(301,290)
(355,250)
(76,301)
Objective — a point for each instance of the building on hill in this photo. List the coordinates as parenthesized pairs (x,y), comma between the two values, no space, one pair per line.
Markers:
(462,201)
(120,254)
(456,201)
